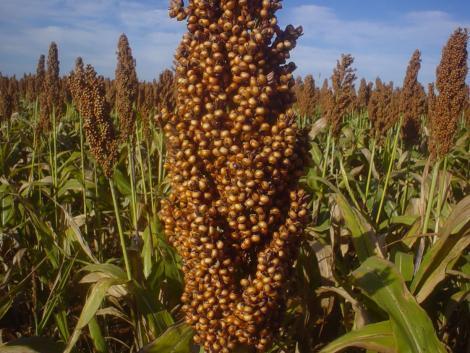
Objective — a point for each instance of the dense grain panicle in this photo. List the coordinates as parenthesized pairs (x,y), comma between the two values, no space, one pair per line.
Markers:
(380,109)
(393,115)
(146,105)
(467,107)
(40,75)
(14,93)
(343,83)
(363,94)
(411,101)
(28,87)
(50,95)
(449,103)
(88,95)
(235,211)
(306,96)
(126,89)
(6,102)
(166,91)
(110,92)
(324,97)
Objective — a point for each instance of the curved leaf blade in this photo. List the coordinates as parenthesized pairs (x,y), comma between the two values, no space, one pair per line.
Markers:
(413,330)
(176,339)
(377,337)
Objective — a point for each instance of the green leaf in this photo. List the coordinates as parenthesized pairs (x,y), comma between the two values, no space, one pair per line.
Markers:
(176,339)
(110,270)
(7,207)
(412,328)
(453,239)
(92,304)
(363,234)
(378,337)
(404,263)
(122,182)
(32,345)
(98,340)
(412,234)
(147,251)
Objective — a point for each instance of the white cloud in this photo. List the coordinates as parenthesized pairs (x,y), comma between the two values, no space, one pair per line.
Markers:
(90,28)
(380,47)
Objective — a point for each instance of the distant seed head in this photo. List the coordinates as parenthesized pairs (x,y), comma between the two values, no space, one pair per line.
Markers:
(126,89)
(449,103)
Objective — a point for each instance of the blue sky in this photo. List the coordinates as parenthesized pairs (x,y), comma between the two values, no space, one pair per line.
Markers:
(380,34)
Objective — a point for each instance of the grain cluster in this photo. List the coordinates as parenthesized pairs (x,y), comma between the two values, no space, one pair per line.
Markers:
(50,93)
(126,89)
(447,106)
(235,212)
(87,89)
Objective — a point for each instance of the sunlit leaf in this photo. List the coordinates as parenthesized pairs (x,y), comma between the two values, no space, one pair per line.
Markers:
(412,328)
(377,337)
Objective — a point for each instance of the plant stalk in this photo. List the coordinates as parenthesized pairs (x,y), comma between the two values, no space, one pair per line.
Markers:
(389,172)
(121,233)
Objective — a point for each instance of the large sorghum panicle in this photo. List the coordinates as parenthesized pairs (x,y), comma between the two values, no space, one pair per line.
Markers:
(411,101)
(235,212)
(306,96)
(6,104)
(126,89)
(29,87)
(110,92)
(165,95)
(14,93)
(449,103)
(50,94)
(40,75)
(88,95)
(343,83)
(324,97)
(380,110)
(363,94)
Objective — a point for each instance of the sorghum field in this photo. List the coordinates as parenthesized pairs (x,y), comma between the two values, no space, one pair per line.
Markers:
(229,206)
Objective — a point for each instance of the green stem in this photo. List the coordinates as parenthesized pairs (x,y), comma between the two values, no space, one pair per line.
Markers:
(150,177)
(419,255)
(161,170)
(54,167)
(440,195)
(332,157)
(325,160)
(132,178)
(35,115)
(432,189)
(121,233)
(369,173)
(389,172)
(82,155)
(141,165)
(405,192)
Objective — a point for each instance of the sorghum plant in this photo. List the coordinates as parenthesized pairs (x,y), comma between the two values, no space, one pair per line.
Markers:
(126,89)
(306,96)
(449,103)
(380,109)
(88,95)
(363,94)
(50,94)
(412,101)
(343,83)
(235,212)
(40,75)
(6,104)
